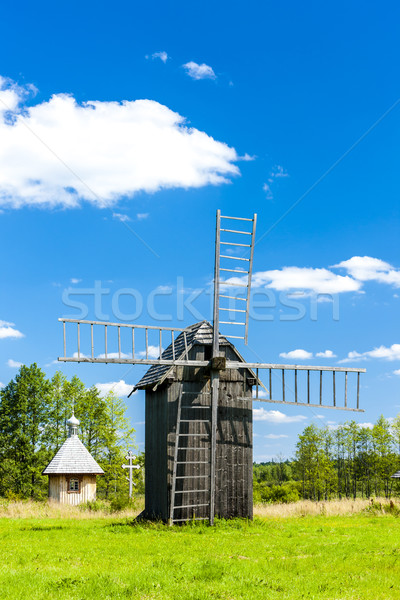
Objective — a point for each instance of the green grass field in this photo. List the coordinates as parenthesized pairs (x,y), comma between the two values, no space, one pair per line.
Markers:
(334,557)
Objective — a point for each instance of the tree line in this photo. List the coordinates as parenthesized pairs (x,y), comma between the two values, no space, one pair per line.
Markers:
(33,415)
(348,461)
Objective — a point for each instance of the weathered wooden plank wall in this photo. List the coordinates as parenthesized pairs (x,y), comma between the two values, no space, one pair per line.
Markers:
(58,489)
(234,478)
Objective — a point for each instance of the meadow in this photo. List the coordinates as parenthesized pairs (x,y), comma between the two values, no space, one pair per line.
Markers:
(334,550)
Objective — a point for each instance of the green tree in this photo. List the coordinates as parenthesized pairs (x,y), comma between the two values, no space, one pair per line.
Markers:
(24,416)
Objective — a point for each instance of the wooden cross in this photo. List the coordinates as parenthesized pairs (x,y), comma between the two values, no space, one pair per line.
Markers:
(130,457)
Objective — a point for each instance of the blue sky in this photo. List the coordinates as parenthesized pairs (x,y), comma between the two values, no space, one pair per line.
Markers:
(124,128)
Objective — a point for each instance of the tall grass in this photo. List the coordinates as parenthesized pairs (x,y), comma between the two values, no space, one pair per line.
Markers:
(53,510)
(308,507)
(29,509)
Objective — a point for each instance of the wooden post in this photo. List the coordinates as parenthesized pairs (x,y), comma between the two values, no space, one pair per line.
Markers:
(334,388)
(215,372)
(256,383)
(270,384)
(320,388)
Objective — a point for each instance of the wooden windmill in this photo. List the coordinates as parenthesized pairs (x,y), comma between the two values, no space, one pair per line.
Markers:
(199,392)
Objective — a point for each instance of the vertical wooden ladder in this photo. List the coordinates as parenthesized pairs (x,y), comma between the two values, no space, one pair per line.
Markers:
(192,508)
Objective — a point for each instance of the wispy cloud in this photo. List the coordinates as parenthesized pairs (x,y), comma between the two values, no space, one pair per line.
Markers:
(142,216)
(386,353)
(326,354)
(14,364)
(268,191)
(275,436)
(121,217)
(298,354)
(7,330)
(278,172)
(162,55)
(396,372)
(276,416)
(196,71)
(75,280)
(63,160)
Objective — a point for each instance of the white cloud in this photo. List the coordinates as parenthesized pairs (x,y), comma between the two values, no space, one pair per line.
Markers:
(75,280)
(142,216)
(14,364)
(121,217)
(99,151)
(275,436)
(367,268)
(2,385)
(396,372)
(386,353)
(326,354)
(324,281)
(114,355)
(153,352)
(268,192)
(318,281)
(261,393)
(163,56)
(277,172)
(120,388)
(196,71)
(7,330)
(366,425)
(298,354)
(275,416)
(81,355)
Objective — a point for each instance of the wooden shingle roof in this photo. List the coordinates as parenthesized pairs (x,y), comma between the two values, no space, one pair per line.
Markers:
(199,333)
(73,458)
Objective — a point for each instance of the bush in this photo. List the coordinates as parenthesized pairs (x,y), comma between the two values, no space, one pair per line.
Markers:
(121,502)
(277,494)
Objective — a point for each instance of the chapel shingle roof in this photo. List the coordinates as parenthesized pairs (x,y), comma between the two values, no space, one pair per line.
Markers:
(73,458)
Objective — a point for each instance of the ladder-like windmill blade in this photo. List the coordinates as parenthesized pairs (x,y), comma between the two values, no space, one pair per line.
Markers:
(236,276)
